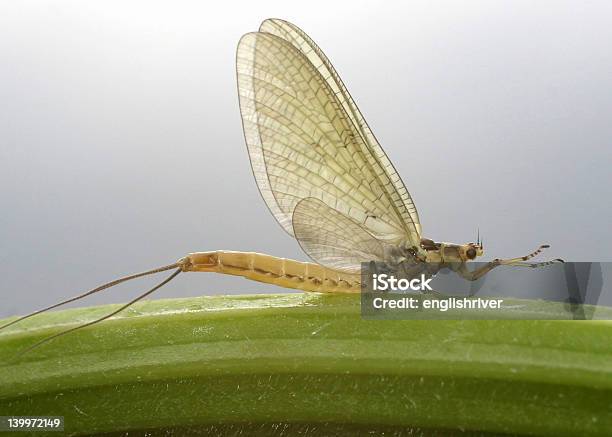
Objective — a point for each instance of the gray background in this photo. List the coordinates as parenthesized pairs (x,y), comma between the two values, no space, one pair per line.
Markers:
(121,146)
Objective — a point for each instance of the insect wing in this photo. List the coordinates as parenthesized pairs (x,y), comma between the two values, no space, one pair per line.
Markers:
(333,239)
(398,193)
(303,143)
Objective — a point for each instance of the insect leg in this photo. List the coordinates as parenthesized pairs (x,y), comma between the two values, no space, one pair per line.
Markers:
(516,262)
(520,259)
(478,273)
(536,265)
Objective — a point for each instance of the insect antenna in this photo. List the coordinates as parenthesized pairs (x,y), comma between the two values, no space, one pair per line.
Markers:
(95,290)
(93,322)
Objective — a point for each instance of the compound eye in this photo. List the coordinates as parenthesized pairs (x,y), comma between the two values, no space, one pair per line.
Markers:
(471,253)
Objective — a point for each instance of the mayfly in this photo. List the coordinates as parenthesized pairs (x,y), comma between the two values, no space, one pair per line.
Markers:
(322,174)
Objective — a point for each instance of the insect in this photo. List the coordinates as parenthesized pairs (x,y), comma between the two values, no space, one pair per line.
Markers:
(324,177)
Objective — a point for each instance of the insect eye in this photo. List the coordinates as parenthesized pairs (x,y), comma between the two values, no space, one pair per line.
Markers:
(471,253)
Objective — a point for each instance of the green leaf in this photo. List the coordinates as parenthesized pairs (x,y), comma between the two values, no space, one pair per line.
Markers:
(307,363)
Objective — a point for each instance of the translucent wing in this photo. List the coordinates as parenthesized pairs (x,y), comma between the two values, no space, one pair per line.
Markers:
(296,36)
(333,239)
(305,141)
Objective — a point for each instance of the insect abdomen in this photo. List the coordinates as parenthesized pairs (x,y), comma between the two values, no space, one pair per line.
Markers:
(272,270)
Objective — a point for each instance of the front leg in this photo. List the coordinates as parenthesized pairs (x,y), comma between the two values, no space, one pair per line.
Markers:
(518,262)
(476,274)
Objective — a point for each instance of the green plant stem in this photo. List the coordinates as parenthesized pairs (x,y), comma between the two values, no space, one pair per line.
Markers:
(248,362)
